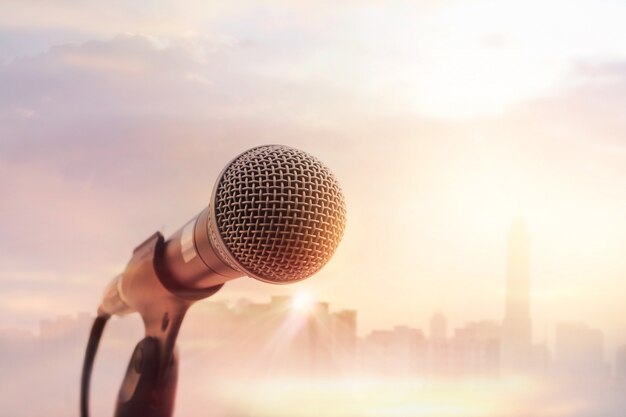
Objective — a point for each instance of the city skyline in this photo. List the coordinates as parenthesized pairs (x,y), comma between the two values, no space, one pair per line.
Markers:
(577,345)
(515,332)
(274,354)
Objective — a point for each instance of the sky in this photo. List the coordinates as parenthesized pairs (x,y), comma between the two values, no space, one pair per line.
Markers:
(442,120)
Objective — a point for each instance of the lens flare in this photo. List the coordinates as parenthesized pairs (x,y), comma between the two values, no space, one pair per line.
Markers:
(302,302)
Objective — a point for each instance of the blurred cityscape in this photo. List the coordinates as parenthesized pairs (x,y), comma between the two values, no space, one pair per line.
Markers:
(290,337)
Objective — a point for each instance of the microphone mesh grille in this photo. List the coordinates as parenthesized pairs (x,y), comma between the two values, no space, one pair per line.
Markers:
(280,213)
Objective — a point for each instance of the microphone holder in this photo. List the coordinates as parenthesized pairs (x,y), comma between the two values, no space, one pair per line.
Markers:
(149,386)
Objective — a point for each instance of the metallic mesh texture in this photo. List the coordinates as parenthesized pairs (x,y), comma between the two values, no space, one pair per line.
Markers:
(279,212)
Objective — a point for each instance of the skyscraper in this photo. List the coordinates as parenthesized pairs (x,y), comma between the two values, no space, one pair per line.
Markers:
(620,363)
(440,350)
(517,338)
(343,325)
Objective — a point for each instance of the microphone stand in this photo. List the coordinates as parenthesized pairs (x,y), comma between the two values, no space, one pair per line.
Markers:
(149,386)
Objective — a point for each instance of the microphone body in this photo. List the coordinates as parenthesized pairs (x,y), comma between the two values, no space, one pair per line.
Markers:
(276,214)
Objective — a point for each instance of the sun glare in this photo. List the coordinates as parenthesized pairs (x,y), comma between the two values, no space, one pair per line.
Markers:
(302,301)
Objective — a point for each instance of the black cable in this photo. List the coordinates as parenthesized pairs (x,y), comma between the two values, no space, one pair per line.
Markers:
(90,354)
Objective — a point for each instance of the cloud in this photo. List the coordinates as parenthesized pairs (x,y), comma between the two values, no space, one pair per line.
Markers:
(98,77)
(587,108)
(81,120)
(164,18)
(104,142)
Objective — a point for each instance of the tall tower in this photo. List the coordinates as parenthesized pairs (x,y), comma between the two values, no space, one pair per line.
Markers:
(517,331)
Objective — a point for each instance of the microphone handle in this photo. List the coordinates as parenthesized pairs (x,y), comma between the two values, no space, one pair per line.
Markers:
(153,367)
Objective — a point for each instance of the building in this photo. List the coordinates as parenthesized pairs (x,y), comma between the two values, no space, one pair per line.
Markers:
(475,349)
(438,328)
(398,352)
(439,350)
(620,364)
(343,326)
(318,336)
(516,328)
(579,350)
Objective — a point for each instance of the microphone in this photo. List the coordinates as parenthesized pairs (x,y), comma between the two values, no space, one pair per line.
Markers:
(276,214)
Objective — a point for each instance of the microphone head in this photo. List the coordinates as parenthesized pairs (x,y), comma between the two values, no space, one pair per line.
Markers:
(277,214)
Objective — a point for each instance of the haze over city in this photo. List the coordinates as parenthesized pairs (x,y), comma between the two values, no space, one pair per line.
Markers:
(443,122)
(308,359)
